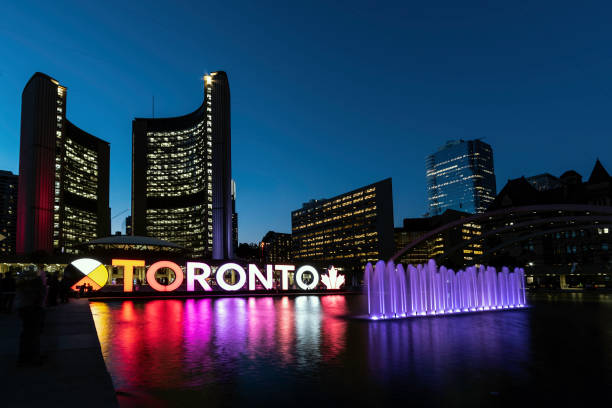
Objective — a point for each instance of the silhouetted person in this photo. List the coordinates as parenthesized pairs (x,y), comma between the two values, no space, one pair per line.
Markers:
(64,291)
(81,290)
(29,301)
(53,292)
(88,289)
(7,289)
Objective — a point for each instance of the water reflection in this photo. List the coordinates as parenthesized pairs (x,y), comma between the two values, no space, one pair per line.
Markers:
(333,337)
(198,319)
(262,350)
(169,343)
(230,328)
(261,320)
(434,349)
(307,328)
(285,330)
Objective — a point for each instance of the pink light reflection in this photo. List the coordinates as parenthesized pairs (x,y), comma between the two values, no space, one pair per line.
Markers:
(261,318)
(334,328)
(197,336)
(285,330)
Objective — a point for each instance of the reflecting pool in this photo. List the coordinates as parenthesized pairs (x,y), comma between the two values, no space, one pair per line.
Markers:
(304,350)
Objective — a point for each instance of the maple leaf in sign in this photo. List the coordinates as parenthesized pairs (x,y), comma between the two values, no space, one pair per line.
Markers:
(332,280)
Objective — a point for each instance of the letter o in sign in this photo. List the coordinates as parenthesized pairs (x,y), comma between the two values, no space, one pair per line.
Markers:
(178,272)
(228,267)
(299,275)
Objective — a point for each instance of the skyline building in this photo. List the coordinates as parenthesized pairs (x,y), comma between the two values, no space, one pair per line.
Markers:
(276,247)
(450,244)
(63,175)
(128,225)
(8,211)
(350,229)
(460,176)
(181,175)
(544,182)
(571,247)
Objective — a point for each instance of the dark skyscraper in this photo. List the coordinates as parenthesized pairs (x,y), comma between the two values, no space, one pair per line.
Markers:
(276,247)
(181,175)
(63,175)
(350,229)
(128,225)
(460,176)
(8,211)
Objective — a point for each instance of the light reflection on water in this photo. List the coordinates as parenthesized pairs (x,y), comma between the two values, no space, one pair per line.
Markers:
(441,348)
(304,351)
(175,343)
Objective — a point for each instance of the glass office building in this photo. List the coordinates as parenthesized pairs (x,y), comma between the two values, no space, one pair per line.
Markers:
(350,229)
(460,176)
(181,175)
(63,175)
(8,211)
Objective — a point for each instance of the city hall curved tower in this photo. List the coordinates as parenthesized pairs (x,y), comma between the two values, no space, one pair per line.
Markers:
(181,175)
(63,175)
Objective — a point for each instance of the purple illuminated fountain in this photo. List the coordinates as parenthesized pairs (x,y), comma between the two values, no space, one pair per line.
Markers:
(395,292)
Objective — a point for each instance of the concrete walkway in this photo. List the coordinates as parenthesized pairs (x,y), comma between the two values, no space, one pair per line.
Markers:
(74,373)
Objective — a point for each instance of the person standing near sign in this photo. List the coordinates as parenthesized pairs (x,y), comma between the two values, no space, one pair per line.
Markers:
(29,300)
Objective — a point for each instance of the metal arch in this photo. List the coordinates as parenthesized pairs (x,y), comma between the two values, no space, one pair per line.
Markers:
(506,211)
(524,237)
(580,220)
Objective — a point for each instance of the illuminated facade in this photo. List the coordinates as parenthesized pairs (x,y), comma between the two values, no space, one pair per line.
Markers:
(8,211)
(350,229)
(460,176)
(447,245)
(181,175)
(63,175)
(276,247)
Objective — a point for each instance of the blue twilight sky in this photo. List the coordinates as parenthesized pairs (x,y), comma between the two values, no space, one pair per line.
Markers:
(326,96)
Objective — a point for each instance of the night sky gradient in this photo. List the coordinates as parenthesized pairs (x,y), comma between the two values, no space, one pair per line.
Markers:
(326,96)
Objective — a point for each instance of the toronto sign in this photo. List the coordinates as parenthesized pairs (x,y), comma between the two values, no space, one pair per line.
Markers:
(198,274)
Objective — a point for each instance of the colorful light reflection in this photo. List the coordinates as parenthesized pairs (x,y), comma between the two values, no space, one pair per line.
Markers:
(161,343)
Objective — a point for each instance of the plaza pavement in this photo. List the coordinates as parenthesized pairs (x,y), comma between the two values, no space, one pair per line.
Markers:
(73,374)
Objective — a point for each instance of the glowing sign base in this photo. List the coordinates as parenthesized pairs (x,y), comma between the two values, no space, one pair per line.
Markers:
(424,316)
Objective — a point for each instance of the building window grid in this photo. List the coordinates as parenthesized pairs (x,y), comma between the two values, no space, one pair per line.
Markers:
(180,164)
(342,228)
(57,197)
(81,169)
(78,226)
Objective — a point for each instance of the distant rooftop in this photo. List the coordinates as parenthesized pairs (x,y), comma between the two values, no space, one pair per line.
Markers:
(315,202)
(454,142)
